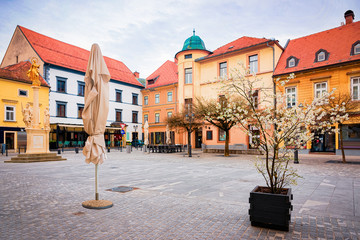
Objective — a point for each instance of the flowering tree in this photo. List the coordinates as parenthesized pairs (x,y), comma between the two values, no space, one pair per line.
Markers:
(280,127)
(222,114)
(338,109)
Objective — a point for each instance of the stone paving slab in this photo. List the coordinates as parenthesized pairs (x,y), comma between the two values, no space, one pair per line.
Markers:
(204,197)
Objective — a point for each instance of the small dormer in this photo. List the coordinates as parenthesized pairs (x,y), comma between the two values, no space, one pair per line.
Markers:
(152,81)
(321,55)
(292,62)
(355,48)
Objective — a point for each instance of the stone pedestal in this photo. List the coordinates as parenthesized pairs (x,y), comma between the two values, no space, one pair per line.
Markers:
(37,140)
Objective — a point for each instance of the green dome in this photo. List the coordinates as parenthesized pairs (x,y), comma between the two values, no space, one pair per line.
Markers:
(194,42)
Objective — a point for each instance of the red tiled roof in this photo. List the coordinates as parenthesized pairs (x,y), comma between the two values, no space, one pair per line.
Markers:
(164,75)
(18,72)
(69,56)
(238,44)
(337,42)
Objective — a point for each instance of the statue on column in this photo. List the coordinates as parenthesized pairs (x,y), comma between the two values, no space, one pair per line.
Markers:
(27,115)
(47,118)
(33,72)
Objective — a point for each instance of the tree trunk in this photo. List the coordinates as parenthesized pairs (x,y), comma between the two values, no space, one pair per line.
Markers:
(342,144)
(227,139)
(189,143)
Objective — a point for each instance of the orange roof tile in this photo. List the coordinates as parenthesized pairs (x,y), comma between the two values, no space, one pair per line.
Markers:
(164,75)
(18,72)
(69,56)
(337,42)
(238,44)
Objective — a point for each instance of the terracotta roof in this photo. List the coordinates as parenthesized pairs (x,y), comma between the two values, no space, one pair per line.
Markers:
(238,44)
(337,42)
(18,72)
(164,75)
(69,56)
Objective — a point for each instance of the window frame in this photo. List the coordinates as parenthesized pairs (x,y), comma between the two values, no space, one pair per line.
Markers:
(188,56)
(292,104)
(135,97)
(116,114)
(58,104)
(209,135)
(146,100)
(13,113)
(146,118)
(223,70)
(355,46)
(79,106)
(188,76)
(219,135)
(81,85)
(157,98)
(20,95)
(316,90)
(61,80)
(136,114)
(170,95)
(294,59)
(118,91)
(255,98)
(169,114)
(358,88)
(157,117)
(254,64)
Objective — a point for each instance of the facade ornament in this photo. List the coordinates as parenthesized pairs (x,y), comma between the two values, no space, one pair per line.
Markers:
(27,115)
(47,118)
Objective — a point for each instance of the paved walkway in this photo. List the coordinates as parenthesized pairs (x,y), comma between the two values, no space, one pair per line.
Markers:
(203,197)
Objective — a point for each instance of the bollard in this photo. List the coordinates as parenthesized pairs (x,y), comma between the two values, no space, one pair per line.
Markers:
(63,148)
(296,156)
(59,151)
(108,149)
(76,150)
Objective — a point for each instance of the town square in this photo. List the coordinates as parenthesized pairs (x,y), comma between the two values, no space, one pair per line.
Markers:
(180,120)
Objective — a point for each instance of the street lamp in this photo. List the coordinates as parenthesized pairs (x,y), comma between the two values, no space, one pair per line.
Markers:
(135,128)
(296,152)
(189,117)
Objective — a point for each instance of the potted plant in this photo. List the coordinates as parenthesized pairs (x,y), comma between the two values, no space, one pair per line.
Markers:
(278,126)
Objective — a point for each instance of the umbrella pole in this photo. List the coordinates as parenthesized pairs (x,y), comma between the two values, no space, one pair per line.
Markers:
(96,183)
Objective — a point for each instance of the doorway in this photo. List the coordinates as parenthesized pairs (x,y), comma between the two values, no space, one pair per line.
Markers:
(10,140)
(198,138)
(323,142)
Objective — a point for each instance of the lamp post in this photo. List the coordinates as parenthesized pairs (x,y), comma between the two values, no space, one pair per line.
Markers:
(296,152)
(189,117)
(135,128)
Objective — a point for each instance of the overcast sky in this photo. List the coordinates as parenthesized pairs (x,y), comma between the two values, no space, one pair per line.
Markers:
(144,34)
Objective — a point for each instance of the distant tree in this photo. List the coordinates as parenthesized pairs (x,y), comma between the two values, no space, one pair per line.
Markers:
(186,119)
(338,109)
(222,114)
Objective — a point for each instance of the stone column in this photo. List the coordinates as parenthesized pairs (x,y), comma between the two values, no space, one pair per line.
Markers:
(36,107)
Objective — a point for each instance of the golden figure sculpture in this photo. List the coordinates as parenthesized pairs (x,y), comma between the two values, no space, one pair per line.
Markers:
(33,73)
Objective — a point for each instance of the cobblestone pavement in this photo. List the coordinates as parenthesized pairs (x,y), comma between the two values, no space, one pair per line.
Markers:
(203,197)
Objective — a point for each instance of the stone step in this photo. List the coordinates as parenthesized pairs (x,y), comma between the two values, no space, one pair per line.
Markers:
(36,157)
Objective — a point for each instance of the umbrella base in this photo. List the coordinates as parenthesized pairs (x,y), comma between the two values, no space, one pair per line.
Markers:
(97,204)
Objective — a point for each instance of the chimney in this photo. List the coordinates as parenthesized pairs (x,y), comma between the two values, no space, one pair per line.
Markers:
(349,17)
(136,74)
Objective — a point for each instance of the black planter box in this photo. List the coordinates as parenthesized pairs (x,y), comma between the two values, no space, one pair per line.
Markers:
(270,210)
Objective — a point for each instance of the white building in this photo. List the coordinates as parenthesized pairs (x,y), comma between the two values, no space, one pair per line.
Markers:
(63,66)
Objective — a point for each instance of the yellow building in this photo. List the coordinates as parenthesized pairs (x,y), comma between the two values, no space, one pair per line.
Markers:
(322,62)
(200,71)
(15,93)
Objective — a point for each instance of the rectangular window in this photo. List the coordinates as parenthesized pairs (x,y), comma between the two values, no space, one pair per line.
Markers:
(9,113)
(80,110)
(169,96)
(60,109)
(223,69)
(209,135)
(157,98)
(157,117)
(187,56)
(355,88)
(23,93)
(134,116)
(146,100)
(253,63)
(222,135)
(255,98)
(81,88)
(118,95)
(169,114)
(188,75)
(320,89)
(135,99)
(118,115)
(146,118)
(290,97)
(61,84)
(188,104)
